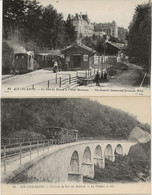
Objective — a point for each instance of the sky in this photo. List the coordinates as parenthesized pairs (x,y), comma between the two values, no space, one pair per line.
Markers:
(98,11)
(137,106)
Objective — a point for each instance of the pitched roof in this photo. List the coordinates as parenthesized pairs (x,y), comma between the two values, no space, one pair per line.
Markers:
(117,45)
(76,45)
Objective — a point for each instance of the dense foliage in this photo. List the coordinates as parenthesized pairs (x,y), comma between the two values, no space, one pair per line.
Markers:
(34,22)
(139,37)
(8,56)
(95,42)
(91,118)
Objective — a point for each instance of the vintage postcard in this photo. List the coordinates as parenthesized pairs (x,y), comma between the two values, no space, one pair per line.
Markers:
(79,47)
(95,145)
(75,88)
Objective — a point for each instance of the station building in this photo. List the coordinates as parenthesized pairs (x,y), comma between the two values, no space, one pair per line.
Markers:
(79,56)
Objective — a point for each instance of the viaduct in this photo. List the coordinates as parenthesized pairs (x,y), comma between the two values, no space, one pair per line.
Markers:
(73,161)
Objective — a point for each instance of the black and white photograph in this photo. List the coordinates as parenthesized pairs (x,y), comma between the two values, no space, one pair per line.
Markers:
(94,46)
(79,142)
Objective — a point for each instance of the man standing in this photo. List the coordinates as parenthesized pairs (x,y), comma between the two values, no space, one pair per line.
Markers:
(97,79)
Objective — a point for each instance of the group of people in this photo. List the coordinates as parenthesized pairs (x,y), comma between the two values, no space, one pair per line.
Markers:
(101,77)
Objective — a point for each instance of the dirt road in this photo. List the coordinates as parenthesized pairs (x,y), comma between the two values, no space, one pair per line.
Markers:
(128,78)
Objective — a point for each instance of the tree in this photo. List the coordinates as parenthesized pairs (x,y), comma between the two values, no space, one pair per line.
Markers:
(89,117)
(13,14)
(33,21)
(139,37)
(95,42)
(13,8)
(52,28)
(100,46)
(37,24)
(70,33)
(8,56)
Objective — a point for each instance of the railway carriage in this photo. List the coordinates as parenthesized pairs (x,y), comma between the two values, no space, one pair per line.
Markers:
(61,134)
(24,62)
(47,59)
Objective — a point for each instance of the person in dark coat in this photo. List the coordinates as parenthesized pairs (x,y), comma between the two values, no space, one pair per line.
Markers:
(97,78)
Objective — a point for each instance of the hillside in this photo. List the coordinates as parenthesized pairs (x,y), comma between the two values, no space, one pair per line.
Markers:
(89,117)
(135,167)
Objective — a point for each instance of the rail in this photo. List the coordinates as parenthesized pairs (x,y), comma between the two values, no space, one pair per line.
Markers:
(17,151)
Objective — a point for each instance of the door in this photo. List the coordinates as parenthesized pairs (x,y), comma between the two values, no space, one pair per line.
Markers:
(77,61)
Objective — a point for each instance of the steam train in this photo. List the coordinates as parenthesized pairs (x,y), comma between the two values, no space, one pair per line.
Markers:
(62,135)
(26,62)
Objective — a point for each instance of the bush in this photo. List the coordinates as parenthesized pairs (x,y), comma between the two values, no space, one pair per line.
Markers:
(112,72)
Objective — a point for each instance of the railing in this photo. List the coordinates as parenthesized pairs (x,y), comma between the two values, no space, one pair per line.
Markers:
(45,84)
(17,151)
(87,73)
(10,141)
(59,81)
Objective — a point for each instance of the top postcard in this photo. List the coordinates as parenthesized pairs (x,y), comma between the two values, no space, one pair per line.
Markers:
(76,48)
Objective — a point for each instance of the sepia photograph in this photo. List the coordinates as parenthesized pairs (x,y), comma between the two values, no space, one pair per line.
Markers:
(75,97)
(95,46)
(57,143)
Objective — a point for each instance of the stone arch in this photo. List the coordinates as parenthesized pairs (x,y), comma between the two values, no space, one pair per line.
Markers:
(74,162)
(118,152)
(87,168)
(108,152)
(97,157)
(87,155)
(119,149)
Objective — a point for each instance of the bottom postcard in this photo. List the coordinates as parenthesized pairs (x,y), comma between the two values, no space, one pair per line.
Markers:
(96,145)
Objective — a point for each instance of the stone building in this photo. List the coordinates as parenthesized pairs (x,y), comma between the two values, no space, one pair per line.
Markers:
(82,25)
(110,29)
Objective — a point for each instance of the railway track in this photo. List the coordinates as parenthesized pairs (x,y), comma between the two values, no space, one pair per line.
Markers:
(16,152)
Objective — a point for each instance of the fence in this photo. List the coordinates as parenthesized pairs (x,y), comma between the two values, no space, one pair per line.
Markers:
(18,151)
(88,73)
(106,59)
(59,81)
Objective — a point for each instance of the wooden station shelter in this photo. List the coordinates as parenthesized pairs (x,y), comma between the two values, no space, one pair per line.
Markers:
(79,56)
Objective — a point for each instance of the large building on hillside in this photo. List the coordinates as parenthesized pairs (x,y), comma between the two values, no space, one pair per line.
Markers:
(110,29)
(82,25)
